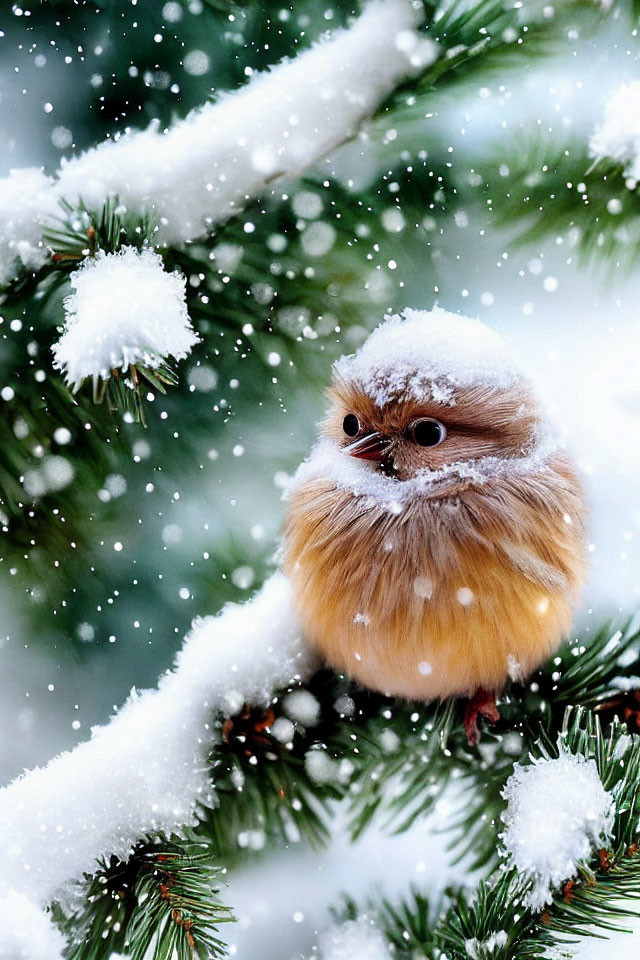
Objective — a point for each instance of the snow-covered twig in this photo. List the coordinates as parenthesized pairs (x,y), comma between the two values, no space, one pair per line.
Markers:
(617,136)
(27,200)
(549,849)
(203,169)
(126,310)
(146,771)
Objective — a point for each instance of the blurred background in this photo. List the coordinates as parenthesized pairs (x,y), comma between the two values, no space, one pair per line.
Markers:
(184,515)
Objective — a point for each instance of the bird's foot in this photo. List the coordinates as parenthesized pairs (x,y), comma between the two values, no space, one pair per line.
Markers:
(481,704)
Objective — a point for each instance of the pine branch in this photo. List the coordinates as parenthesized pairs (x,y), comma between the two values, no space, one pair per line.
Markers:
(268,791)
(181,912)
(494,921)
(595,906)
(555,189)
(477,39)
(601,899)
(392,759)
(400,756)
(264,792)
(162,904)
(408,747)
(408,925)
(491,923)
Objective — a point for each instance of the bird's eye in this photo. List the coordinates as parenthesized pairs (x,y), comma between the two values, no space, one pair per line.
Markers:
(427,432)
(351,425)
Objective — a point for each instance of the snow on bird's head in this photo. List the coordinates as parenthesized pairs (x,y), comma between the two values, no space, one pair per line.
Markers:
(427,354)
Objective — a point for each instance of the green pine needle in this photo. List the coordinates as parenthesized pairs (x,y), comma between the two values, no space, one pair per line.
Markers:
(161,904)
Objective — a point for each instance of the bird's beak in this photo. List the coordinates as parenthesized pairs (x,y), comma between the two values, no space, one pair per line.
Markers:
(373,446)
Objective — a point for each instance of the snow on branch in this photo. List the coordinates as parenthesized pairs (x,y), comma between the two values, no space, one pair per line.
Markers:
(354,940)
(618,135)
(27,932)
(549,848)
(146,771)
(27,199)
(126,312)
(203,169)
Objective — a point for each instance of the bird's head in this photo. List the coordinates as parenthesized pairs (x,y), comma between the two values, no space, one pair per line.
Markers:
(407,436)
(428,390)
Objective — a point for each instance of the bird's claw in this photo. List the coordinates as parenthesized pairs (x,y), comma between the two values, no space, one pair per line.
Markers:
(481,704)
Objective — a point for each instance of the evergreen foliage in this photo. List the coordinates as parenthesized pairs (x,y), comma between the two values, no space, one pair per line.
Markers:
(397,759)
(162,902)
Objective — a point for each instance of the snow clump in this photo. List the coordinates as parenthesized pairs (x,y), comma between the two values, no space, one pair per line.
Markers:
(126,310)
(28,933)
(26,199)
(618,135)
(354,940)
(558,813)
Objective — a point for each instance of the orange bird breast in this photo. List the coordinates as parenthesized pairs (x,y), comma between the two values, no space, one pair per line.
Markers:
(444,592)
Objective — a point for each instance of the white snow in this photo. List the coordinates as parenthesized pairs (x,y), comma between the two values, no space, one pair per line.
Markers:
(303,707)
(54,473)
(558,813)
(478,949)
(617,136)
(354,940)
(126,309)
(603,944)
(514,669)
(389,741)
(423,587)
(283,730)
(146,771)
(27,932)
(424,354)
(203,168)
(25,197)
(321,767)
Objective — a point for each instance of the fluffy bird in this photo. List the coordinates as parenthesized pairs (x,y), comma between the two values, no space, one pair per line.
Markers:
(435,537)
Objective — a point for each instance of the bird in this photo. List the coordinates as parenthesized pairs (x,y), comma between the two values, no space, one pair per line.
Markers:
(435,537)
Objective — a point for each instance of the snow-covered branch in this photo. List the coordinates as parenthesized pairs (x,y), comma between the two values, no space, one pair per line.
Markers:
(146,771)
(617,136)
(27,932)
(203,169)
(27,200)
(549,849)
